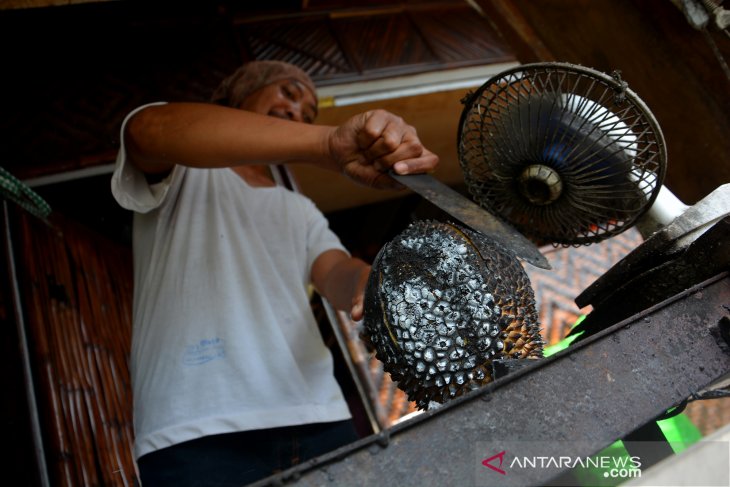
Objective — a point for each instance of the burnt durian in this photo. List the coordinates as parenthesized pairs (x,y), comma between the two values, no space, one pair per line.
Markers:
(442,302)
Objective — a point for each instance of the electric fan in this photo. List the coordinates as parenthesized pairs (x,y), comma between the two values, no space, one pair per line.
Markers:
(566,154)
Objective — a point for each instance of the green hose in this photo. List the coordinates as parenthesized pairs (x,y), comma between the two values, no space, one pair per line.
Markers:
(15,190)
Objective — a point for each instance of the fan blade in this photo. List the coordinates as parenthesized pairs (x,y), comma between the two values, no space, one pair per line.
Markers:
(473,215)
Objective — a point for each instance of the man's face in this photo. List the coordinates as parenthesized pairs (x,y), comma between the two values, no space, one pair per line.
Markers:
(288,99)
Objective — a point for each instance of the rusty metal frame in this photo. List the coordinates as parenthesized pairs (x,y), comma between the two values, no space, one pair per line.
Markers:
(581,400)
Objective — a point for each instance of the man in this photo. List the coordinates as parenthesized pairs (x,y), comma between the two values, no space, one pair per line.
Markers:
(231,379)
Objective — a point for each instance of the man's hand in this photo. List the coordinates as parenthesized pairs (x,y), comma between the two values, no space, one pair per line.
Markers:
(357,312)
(370,144)
(342,280)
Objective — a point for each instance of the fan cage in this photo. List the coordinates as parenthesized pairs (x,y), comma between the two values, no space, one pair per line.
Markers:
(566,154)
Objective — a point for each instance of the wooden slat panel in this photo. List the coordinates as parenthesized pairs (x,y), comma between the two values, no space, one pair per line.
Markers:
(379,42)
(308,43)
(76,290)
(461,36)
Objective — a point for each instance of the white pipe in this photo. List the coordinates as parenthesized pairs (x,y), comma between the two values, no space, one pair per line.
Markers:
(666,207)
(411,85)
(73,175)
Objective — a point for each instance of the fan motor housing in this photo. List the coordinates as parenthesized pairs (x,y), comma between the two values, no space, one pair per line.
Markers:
(442,302)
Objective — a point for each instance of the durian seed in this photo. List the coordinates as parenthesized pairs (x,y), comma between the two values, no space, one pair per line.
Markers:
(443,343)
(428,355)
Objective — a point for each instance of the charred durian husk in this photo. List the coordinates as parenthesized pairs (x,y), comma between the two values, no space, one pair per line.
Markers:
(442,302)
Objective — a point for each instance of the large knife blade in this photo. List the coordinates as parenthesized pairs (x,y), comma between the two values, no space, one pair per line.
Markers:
(473,215)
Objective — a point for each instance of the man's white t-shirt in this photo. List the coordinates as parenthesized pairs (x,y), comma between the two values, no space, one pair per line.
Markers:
(224,337)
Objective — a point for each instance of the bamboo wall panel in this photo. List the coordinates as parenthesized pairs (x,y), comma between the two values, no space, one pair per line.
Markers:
(76,293)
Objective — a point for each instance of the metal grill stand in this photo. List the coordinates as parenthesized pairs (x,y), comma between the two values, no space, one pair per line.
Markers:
(669,340)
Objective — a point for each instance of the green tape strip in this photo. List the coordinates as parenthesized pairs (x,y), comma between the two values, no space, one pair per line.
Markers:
(15,190)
